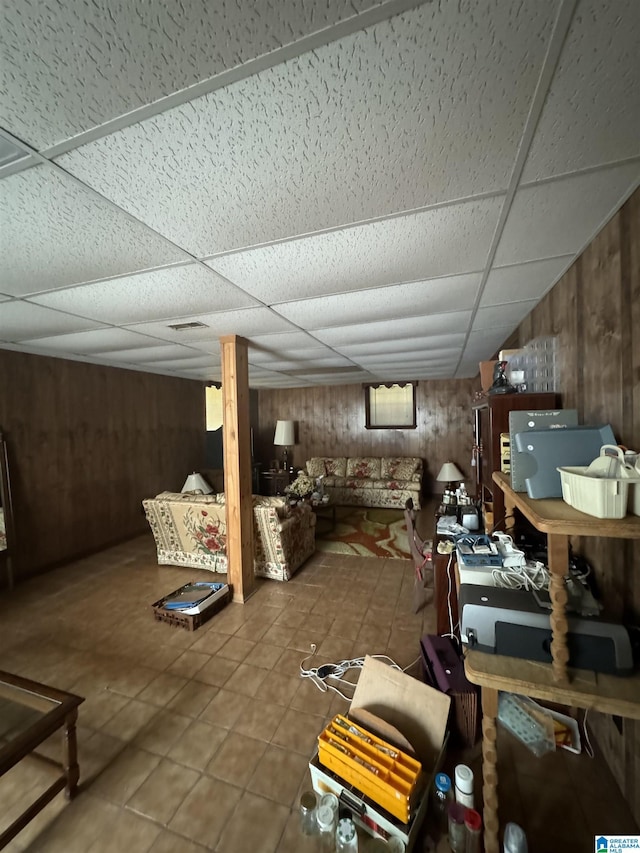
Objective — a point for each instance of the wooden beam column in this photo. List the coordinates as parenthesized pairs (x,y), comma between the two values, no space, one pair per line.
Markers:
(237,465)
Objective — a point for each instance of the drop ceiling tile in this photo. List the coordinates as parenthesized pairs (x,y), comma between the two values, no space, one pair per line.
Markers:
(396,301)
(403,344)
(148,296)
(331,378)
(286,341)
(468,370)
(561,217)
(98,61)
(247,322)
(207,374)
(440,324)
(432,243)
(56,232)
(523,281)
(187,362)
(22,321)
(96,341)
(258,356)
(304,364)
(448,355)
(482,345)
(149,355)
(510,314)
(591,114)
(412,111)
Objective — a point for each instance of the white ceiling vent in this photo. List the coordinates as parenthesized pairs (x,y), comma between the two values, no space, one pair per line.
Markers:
(184,327)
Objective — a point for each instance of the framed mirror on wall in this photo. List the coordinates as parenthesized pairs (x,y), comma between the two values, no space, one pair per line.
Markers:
(7,539)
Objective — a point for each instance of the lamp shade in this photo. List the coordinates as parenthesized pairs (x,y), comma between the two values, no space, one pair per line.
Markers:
(285,434)
(449,473)
(196,483)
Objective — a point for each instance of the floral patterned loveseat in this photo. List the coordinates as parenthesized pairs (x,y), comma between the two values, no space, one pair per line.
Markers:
(376,481)
(191,530)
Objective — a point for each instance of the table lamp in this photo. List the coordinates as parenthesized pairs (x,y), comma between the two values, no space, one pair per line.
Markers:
(196,483)
(450,474)
(285,437)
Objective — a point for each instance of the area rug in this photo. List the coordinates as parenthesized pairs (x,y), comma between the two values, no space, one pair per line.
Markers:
(364,532)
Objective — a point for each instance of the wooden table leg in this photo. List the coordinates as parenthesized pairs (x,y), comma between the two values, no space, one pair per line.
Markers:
(558,553)
(490,769)
(71,768)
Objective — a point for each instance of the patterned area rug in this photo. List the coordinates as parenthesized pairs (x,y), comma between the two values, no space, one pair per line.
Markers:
(364,532)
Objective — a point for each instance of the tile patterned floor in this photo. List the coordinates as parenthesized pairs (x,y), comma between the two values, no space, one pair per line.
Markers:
(200,741)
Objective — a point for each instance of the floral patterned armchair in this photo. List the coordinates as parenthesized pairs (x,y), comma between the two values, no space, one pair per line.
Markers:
(191,530)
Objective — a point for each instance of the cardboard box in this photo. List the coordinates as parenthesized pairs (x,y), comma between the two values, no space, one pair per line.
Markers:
(402,711)
(486,374)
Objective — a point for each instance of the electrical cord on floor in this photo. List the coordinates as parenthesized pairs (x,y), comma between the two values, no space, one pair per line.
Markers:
(335,671)
(587,746)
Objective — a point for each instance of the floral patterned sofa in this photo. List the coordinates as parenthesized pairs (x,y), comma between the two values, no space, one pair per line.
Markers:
(191,530)
(376,481)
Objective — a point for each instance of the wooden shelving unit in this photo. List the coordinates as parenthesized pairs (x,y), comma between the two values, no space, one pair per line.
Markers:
(551,682)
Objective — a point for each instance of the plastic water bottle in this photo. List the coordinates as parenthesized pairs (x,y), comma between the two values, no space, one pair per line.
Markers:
(515,841)
(442,796)
(346,836)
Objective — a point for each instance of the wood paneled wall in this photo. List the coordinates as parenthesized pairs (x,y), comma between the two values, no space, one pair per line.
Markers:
(87,444)
(330,422)
(594,311)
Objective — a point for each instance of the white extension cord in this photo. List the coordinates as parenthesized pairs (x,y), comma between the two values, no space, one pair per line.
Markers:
(335,671)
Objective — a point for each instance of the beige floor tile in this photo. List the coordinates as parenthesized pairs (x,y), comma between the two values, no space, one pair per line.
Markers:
(209,643)
(217,672)
(279,774)
(252,630)
(162,731)
(298,731)
(236,759)
(85,819)
(188,664)
(277,635)
(264,655)
(290,660)
(259,719)
(224,709)
(206,810)
(162,689)
(192,699)
(291,618)
(130,720)
(169,842)
(346,628)
(259,832)
(95,752)
(100,707)
(278,688)
(293,841)
(130,832)
(246,679)
(163,791)
(124,775)
(236,649)
(310,699)
(198,744)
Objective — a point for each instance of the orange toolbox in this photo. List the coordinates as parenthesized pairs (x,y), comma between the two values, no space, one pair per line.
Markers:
(377,768)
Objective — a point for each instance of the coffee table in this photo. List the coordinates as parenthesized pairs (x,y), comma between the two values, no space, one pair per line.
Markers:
(325,510)
(30,713)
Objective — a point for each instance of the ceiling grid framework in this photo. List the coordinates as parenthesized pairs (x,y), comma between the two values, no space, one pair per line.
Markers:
(366,191)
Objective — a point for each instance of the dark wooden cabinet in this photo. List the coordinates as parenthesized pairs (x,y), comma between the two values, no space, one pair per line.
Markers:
(491,417)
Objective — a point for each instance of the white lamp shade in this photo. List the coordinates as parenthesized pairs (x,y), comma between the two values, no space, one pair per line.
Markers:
(285,434)
(449,473)
(197,483)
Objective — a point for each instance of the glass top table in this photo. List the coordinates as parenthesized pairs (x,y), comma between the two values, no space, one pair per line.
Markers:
(30,713)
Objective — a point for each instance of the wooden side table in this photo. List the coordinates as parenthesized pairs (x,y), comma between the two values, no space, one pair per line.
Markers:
(275,482)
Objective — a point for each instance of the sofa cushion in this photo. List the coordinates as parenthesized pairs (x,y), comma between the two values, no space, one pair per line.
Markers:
(190,497)
(320,466)
(363,467)
(400,467)
(358,483)
(394,484)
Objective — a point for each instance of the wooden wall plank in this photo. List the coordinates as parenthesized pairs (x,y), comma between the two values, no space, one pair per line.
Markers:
(87,444)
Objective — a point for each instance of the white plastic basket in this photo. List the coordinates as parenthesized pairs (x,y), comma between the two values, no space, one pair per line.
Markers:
(598,496)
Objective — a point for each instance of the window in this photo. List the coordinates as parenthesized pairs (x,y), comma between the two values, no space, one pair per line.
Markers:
(391,406)
(213,407)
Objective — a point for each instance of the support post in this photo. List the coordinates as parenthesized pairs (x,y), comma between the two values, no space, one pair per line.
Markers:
(237,465)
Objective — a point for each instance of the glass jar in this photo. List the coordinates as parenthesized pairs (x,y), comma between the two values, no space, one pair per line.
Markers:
(326,828)
(308,823)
